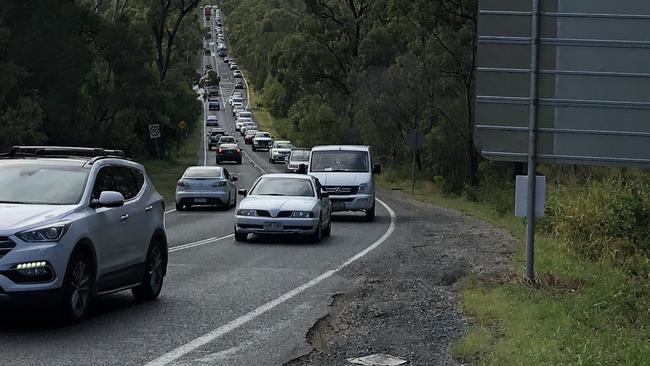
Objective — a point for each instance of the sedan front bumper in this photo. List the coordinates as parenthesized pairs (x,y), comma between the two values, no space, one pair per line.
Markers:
(274,225)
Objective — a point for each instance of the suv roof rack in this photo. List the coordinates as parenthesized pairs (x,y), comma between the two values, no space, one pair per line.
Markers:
(63,151)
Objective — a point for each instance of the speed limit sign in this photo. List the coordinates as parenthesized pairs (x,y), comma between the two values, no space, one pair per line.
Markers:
(154,131)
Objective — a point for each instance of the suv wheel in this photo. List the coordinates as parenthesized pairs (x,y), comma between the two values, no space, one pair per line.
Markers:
(154,275)
(77,287)
(179,207)
(241,236)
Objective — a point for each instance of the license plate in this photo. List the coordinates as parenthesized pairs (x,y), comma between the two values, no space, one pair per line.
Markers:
(272,226)
(338,205)
(200,200)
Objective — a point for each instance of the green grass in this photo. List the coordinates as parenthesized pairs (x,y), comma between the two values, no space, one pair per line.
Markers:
(262,116)
(578,313)
(165,173)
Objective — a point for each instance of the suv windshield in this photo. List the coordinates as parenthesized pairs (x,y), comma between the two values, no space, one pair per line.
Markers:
(47,184)
(262,134)
(283,187)
(339,161)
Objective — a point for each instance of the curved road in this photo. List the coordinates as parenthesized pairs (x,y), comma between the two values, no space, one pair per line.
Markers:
(223,303)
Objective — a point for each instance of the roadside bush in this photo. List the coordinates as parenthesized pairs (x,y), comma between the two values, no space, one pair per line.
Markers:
(606,220)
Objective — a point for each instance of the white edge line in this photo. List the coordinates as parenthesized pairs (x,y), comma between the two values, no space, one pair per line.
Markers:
(198,243)
(234,324)
(253,162)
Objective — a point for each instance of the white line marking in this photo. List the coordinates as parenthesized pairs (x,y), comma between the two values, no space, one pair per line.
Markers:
(170,211)
(183,350)
(253,162)
(198,243)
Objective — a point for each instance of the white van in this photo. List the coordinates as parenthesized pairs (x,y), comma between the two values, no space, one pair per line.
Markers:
(346,172)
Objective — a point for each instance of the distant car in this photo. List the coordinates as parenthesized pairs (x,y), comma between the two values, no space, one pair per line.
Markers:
(206,185)
(280,151)
(240,122)
(233,66)
(229,152)
(246,126)
(213,91)
(284,204)
(248,136)
(211,121)
(226,140)
(213,99)
(244,114)
(222,53)
(214,106)
(296,158)
(262,140)
(237,74)
(239,85)
(207,52)
(213,139)
(226,60)
(236,105)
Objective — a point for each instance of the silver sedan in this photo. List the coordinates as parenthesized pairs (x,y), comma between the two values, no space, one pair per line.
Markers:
(205,185)
(284,204)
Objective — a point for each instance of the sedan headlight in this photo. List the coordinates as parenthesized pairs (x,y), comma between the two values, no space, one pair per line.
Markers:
(49,233)
(302,214)
(363,188)
(245,212)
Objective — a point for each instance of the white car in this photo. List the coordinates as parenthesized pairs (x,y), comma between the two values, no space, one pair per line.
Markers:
(243,114)
(206,185)
(247,126)
(280,150)
(238,105)
(233,66)
(240,122)
(237,74)
(284,204)
(262,140)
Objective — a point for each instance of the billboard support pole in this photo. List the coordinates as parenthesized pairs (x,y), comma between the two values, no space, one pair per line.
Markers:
(532,142)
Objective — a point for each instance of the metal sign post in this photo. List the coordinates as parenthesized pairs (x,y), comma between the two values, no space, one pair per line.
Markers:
(415,140)
(154,134)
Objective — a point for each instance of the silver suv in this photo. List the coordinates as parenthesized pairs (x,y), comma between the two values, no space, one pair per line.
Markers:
(76,223)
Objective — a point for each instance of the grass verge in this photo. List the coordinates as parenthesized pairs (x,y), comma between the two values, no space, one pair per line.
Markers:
(165,173)
(578,313)
(262,116)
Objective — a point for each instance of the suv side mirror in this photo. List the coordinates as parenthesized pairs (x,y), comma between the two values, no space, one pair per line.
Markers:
(242,192)
(376,169)
(234,178)
(108,199)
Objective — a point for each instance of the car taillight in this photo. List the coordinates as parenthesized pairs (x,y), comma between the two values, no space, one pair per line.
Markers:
(220,150)
(180,183)
(238,152)
(219,184)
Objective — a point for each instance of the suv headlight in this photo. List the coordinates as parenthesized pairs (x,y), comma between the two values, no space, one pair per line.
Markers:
(363,188)
(49,233)
(245,212)
(302,214)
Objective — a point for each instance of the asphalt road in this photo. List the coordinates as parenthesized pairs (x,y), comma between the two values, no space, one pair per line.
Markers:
(223,302)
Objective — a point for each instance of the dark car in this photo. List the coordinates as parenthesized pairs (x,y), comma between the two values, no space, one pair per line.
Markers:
(239,85)
(213,139)
(214,106)
(213,91)
(229,152)
(248,137)
(211,121)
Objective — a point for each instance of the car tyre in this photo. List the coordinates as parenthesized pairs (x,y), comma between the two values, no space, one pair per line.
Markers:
(317,236)
(239,161)
(240,236)
(328,229)
(179,207)
(370,213)
(78,287)
(254,149)
(153,276)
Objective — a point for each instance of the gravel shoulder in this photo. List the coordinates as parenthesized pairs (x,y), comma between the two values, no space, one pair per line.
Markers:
(403,300)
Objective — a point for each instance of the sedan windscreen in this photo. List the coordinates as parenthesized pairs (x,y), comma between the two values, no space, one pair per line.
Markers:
(200,172)
(340,161)
(42,184)
(283,187)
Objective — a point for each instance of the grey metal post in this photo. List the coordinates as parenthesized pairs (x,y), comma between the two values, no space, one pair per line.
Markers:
(413,174)
(532,142)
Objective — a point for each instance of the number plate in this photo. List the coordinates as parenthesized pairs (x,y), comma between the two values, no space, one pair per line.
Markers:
(272,226)
(200,200)
(338,205)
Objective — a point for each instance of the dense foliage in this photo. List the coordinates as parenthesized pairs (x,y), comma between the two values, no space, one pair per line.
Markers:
(362,71)
(97,73)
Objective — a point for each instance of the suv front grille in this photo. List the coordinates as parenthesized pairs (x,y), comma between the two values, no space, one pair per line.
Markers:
(341,190)
(6,245)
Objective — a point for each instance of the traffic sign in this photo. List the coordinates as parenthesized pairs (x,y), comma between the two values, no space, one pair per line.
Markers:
(182,125)
(415,140)
(154,131)
(593,72)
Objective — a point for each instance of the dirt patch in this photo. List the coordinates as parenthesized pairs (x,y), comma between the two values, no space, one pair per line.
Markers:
(406,302)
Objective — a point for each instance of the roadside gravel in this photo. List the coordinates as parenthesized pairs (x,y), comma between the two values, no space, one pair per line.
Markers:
(403,300)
